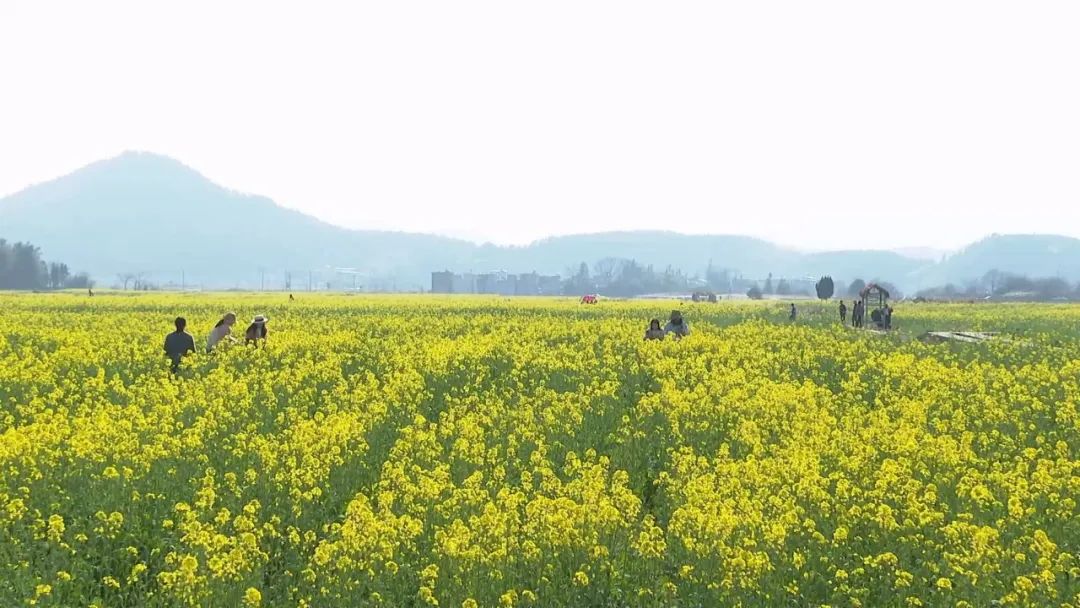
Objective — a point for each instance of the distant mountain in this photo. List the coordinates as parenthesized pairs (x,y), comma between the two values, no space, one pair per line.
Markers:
(1036,255)
(930,254)
(144,213)
(691,253)
(151,215)
(868,265)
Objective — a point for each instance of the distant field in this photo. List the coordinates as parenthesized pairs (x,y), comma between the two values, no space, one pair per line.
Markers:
(482,451)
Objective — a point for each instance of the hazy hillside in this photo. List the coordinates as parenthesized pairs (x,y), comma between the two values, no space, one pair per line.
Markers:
(690,252)
(149,214)
(1039,255)
(867,265)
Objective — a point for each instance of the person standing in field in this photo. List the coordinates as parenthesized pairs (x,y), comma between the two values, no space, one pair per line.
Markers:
(222,329)
(793,312)
(257,330)
(843,312)
(655,332)
(677,325)
(179,343)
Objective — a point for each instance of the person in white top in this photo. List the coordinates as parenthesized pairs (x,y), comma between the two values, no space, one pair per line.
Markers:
(221,330)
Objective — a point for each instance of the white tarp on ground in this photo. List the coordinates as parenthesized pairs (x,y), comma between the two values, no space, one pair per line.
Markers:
(938,337)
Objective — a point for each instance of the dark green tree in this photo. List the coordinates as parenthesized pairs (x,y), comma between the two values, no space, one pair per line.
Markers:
(21,267)
(580,283)
(27,269)
(824,288)
(58,275)
(856,286)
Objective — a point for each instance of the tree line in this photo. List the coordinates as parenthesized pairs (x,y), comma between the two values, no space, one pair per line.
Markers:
(22,267)
(622,277)
(996,283)
(825,288)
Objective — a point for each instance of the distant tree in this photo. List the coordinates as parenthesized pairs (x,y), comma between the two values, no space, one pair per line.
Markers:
(894,291)
(856,287)
(627,277)
(605,271)
(58,275)
(21,267)
(841,288)
(1005,284)
(993,279)
(79,281)
(824,288)
(768,285)
(1043,288)
(1052,288)
(5,265)
(126,278)
(580,282)
(718,279)
(755,293)
(26,270)
(783,288)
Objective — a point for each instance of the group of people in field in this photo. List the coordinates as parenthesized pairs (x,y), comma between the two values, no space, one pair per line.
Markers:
(676,327)
(679,327)
(882,317)
(180,342)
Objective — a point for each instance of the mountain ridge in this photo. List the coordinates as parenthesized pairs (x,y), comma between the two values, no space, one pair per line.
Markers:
(141,212)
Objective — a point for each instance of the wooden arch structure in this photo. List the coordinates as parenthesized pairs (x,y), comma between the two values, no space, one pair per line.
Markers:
(875,298)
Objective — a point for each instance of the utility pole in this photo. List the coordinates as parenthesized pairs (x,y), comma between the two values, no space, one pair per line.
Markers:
(309,280)
(262,279)
(183,281)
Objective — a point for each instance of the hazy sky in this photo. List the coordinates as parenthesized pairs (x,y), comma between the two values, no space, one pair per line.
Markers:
(815,124)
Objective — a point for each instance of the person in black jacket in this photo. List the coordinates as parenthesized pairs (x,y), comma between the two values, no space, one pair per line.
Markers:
(179,343)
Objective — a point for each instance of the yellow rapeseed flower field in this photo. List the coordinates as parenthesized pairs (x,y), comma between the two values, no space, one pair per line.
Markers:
(473,452)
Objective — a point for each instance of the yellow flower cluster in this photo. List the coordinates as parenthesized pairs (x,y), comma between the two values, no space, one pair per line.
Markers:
(442,451)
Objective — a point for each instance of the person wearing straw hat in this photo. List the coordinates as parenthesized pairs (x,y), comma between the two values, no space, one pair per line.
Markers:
(677,326)
(257,330)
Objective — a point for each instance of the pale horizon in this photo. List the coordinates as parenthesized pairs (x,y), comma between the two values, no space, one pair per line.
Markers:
(816,127)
